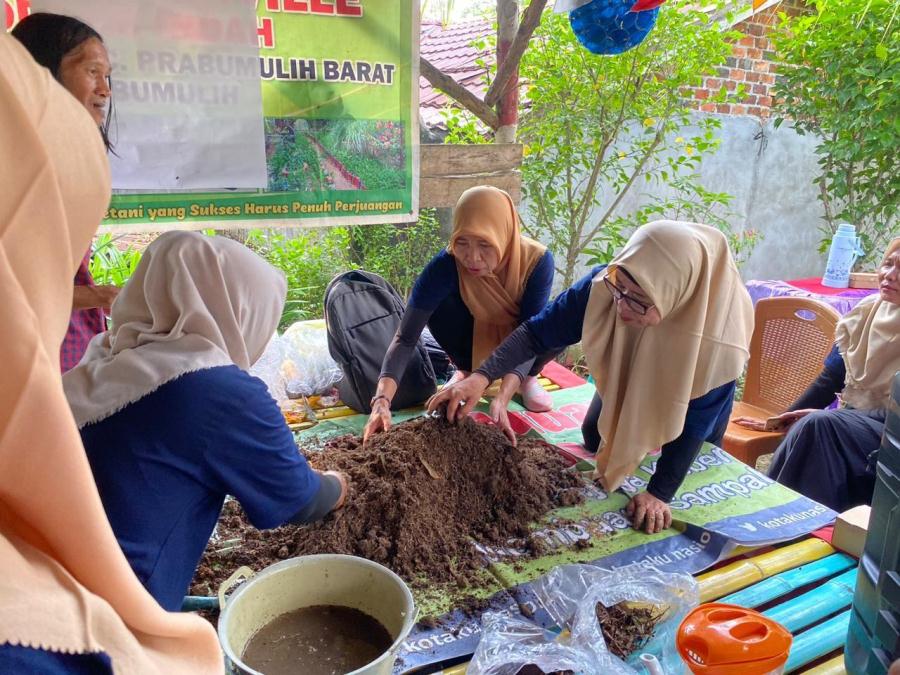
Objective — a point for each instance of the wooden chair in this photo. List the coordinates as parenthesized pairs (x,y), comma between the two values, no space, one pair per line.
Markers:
(791,338)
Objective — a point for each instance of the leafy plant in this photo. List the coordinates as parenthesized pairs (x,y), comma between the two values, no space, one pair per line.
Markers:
(840,82)
(294,163)
(397,252)
(463,128)
(110,264)
(606,125)
(692,202)
(309,260)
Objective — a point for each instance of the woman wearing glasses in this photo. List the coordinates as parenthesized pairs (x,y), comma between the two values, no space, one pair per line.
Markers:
(666,331)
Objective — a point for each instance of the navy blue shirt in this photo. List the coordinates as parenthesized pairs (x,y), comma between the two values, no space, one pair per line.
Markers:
(38,661)
(821,393)
(436,283)
(164,464)
(560,324)
(441,277)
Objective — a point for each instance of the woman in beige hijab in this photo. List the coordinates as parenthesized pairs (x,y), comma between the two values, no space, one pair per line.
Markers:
(471,296)
(828,455)
(172,421)
(666,330)
(68,599)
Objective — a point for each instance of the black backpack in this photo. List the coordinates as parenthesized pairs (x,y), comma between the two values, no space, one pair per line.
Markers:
(362,314)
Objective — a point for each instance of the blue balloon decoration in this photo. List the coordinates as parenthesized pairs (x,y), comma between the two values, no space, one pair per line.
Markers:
(609,27)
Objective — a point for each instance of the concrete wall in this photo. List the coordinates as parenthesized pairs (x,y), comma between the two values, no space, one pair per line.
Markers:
(769,172)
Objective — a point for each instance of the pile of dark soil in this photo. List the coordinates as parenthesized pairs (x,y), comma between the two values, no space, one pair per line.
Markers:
(419,495)
(625,628)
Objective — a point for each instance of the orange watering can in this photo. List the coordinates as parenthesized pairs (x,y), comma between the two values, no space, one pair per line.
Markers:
(720,639)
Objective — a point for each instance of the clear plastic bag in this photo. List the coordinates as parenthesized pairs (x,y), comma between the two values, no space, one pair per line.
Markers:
(314,371)
(570,594)
(509,642)
(298,363)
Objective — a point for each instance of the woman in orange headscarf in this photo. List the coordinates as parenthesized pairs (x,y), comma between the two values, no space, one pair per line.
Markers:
(471,296)
(68,598)
(828,455)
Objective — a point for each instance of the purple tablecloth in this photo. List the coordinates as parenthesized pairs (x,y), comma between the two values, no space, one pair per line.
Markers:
(843,302)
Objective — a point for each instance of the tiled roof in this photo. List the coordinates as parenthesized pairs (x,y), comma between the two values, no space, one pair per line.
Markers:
(450,50)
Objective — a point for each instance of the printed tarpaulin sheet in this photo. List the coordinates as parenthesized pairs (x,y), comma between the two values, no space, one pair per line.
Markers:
(722,504)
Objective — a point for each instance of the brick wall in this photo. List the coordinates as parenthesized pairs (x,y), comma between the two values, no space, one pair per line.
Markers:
(752,63)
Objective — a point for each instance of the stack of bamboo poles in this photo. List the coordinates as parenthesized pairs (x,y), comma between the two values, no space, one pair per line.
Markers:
(756,581)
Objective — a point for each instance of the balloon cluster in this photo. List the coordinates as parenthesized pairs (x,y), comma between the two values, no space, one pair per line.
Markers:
(613,26)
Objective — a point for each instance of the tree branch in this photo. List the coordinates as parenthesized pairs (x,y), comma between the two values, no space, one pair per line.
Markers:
(459,93)
(505,71)
(637,172)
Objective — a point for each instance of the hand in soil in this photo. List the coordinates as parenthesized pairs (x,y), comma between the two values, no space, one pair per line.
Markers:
(345,487)
(460,398)
(379,419)
(646,511)
(500,416)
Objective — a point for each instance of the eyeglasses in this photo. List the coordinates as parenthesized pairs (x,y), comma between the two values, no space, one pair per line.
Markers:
(621,294)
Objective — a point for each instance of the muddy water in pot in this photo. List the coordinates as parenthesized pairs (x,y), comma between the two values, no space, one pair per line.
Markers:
(317,640)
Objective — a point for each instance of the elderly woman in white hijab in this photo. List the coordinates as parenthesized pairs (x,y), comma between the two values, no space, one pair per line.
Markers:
(829,455)
(666,330)
(170,418)
(68,600)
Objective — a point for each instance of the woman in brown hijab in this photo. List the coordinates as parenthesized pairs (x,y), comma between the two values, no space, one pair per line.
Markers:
(68,599)
(471,296)
(828,455)
(665,330)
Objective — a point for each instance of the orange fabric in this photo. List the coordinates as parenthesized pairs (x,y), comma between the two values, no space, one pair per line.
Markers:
(64,583)
(489,213)
(647,376)
(868,338)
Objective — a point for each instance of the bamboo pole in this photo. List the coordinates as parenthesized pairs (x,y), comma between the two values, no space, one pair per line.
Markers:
(742,573)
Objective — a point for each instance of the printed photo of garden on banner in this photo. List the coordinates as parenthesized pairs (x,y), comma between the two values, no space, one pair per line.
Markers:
(333,141)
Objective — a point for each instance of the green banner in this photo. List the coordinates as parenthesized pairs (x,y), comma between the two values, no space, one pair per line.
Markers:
(339,82)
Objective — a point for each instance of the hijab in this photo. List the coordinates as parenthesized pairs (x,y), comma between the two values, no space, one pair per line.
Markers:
(868,338)
(193,302)
(65,584)
(489,213)
(646,376)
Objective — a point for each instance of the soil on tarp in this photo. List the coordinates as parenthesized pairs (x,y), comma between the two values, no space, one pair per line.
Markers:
(419,495)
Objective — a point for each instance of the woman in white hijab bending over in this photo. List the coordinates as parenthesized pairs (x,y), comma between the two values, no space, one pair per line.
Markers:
(666,331)
(170,418)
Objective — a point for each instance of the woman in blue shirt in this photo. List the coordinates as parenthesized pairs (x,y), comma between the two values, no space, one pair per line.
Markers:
(666,330)
(472,295)
(171,420)
(830,455)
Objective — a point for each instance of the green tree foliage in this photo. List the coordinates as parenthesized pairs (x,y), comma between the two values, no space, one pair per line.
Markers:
(841,81)
(312,257)
(397,252)
(617,121)
(111,265)
(309,260)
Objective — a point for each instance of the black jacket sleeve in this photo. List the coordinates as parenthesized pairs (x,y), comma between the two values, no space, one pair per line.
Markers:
(826,386)
(321,505)
(405,339)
